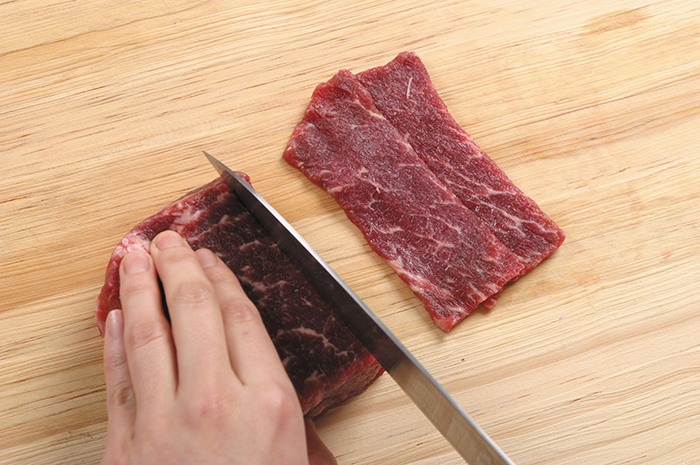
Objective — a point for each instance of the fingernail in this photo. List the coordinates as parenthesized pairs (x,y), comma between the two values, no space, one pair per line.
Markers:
(115,323)
(136,262)
(168,239)
(206,258)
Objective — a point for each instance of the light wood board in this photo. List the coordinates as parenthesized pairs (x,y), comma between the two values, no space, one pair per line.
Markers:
(592,108)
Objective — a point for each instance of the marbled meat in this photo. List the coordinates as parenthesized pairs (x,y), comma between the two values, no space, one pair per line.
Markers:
(324,360)
(403,92)
(448,257)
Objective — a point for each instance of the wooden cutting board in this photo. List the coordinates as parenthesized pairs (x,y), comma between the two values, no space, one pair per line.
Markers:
(592,108)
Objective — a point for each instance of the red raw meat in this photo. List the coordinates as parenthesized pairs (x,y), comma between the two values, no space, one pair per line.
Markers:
(324,360)
(438,246)
(405,95)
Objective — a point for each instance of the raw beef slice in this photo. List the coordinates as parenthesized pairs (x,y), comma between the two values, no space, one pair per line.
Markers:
(436,245)
(404,93)
(325,362)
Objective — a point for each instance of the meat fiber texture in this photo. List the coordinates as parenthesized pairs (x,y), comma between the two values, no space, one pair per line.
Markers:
(403,92)
(450,259)
(324,360)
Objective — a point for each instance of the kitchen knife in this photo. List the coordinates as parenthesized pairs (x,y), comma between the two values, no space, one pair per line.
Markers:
(431,398)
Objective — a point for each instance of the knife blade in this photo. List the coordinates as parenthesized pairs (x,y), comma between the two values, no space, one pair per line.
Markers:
(468,439)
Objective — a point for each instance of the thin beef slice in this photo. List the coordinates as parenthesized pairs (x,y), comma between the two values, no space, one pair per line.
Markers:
(405,95)
(436,245)
(324,360)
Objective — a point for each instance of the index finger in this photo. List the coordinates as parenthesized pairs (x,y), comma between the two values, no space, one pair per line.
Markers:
(197,326)
(147,338)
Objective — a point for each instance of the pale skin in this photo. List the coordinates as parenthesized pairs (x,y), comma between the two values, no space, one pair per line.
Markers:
(208,388)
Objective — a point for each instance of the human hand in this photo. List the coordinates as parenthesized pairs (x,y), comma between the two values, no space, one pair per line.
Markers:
(207,388)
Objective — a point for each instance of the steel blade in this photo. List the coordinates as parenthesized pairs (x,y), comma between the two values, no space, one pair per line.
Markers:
(431,398)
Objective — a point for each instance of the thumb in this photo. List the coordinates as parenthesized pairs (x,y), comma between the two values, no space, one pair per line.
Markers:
(317,450)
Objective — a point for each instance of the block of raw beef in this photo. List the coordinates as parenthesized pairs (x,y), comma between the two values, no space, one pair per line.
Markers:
(404,94)
(448,257)
(325,362)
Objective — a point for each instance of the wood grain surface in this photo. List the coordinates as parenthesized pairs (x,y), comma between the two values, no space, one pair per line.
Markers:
(591,107)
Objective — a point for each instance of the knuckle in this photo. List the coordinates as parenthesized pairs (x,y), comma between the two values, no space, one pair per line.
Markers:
(192,292)
(240,310)
(278,401)
(145,334)
(115,360)
(121,394)
(211,408)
